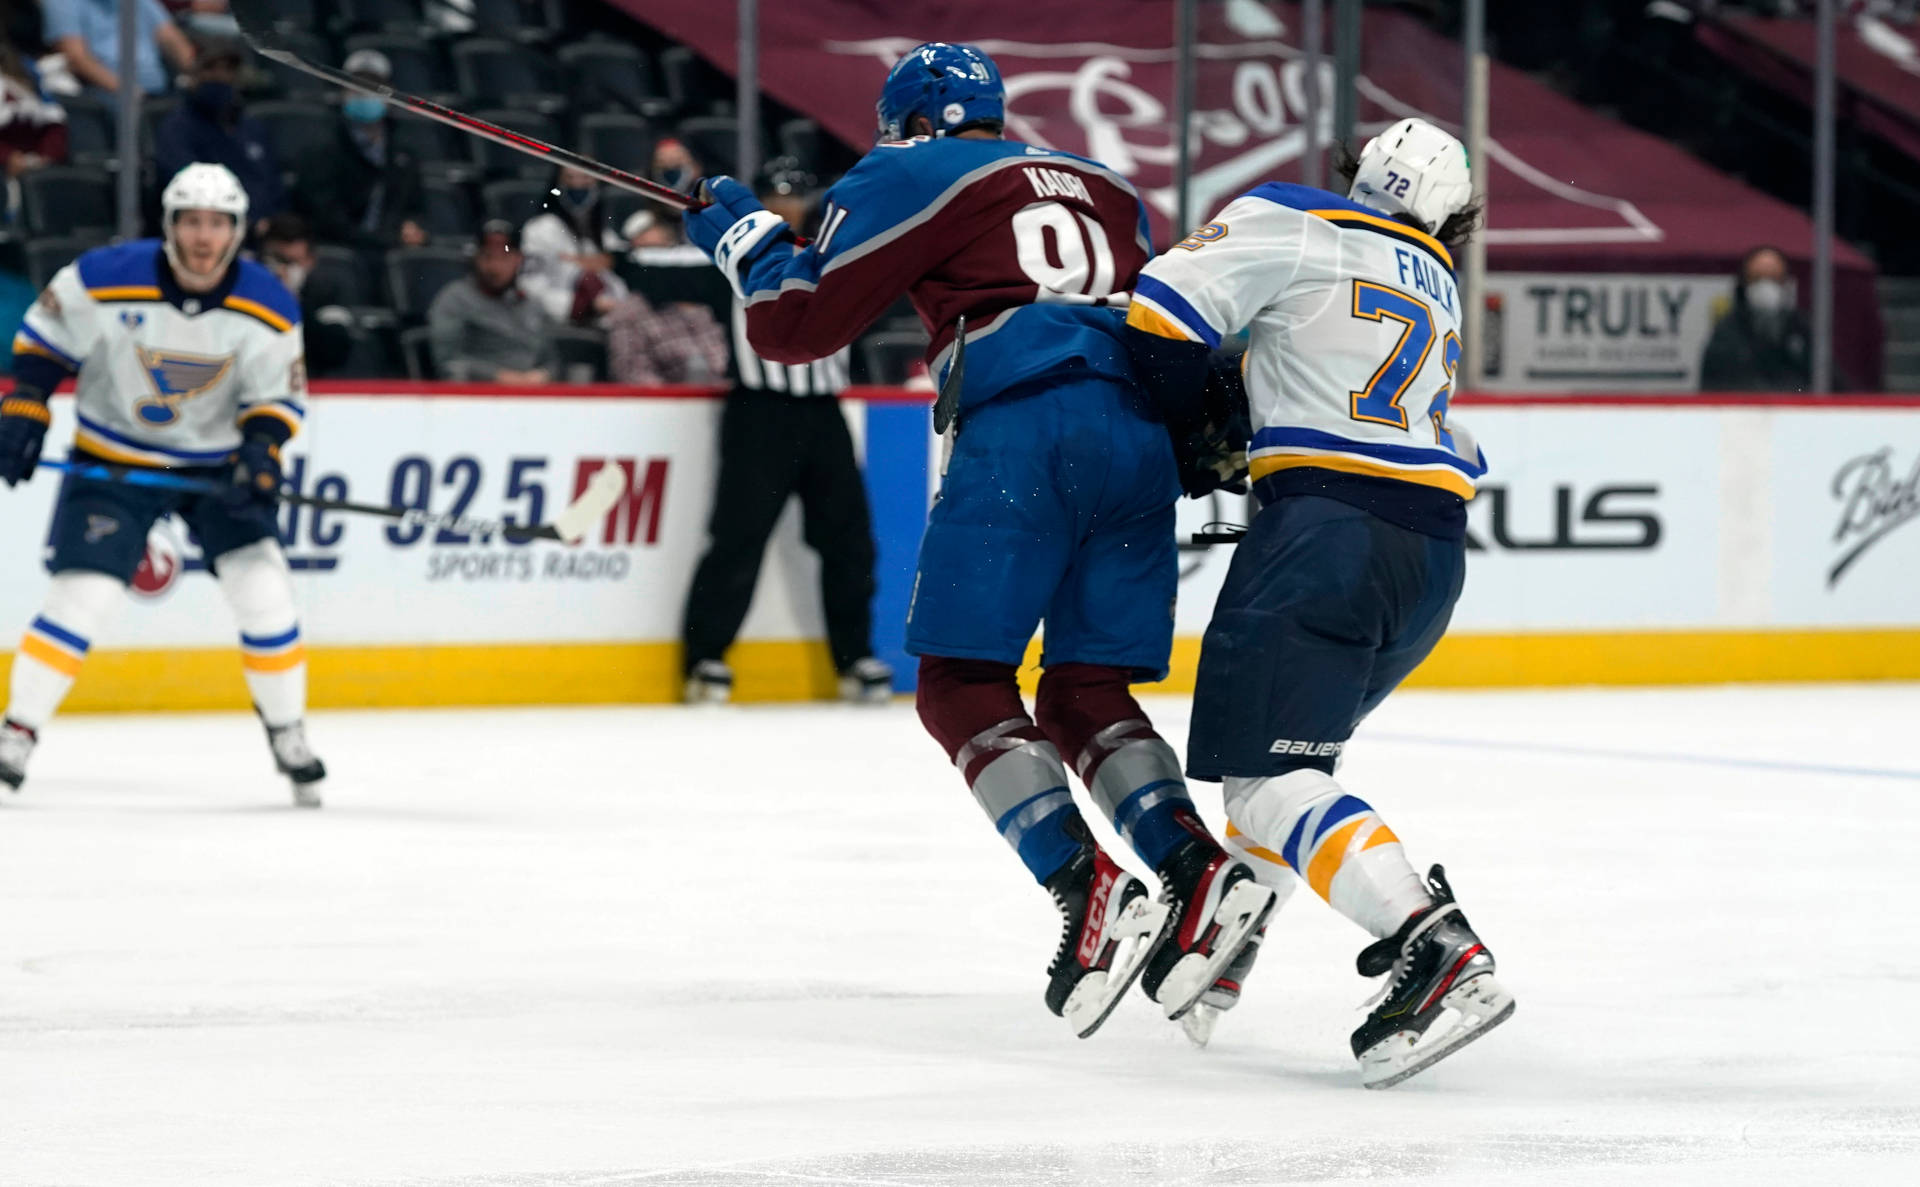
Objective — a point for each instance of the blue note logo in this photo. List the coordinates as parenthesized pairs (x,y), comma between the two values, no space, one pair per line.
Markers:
(176,377)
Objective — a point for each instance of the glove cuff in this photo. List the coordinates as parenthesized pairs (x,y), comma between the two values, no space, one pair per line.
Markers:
(271,429)
(27,408)
(742,242)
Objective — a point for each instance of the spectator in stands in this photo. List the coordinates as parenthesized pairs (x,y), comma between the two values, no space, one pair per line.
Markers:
(483,326)
(87,34)
(1762,345)
(209,125)
(286,248)
(33,127)
(644,229)
(679,342)
(363,190)
(675,168)
(782,434)
(567,268)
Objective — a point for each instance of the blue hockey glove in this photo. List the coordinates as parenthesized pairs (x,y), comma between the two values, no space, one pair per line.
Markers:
(256,473)
(1213,455)
(23,428)
(735,229)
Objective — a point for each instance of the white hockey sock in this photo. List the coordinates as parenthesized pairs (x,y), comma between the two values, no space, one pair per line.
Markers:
(1336,841)
(78,604)
(259,587)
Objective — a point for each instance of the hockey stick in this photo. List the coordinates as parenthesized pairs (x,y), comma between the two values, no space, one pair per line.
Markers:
(255,18)
(948,405)
(569,527)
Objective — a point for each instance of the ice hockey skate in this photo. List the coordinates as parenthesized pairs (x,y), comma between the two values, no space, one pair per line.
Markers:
(16,743)
(1110,927)
(1223,994)
(297,762)
(1439,968)
(710,682)
(867,681)
(1217,907)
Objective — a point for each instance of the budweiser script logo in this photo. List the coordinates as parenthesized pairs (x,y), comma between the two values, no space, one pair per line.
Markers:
(1874,500)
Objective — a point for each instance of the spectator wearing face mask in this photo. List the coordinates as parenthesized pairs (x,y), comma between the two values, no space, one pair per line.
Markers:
(286,248)
(1762,345)
(363,190)
(568,268)
(210,126)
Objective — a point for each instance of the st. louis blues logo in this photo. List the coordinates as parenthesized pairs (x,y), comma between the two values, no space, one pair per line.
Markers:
(176,378)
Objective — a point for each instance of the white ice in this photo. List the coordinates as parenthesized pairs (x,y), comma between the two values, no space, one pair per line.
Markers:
(781,945)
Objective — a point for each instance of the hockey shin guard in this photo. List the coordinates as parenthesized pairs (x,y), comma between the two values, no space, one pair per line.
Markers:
(973,709)
(1337,842)
(78,605)
(1133,775)
(259,587)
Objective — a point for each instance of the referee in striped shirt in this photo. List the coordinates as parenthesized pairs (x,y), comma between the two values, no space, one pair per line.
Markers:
(782,433)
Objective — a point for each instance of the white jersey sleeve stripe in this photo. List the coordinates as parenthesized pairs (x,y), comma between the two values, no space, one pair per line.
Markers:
(1169,304)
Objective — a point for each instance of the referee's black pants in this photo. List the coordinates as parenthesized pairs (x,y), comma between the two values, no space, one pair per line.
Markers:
(773,446)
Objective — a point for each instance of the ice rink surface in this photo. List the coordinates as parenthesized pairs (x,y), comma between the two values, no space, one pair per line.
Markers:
(780,945)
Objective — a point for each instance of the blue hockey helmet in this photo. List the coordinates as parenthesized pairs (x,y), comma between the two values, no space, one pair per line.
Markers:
(952,85)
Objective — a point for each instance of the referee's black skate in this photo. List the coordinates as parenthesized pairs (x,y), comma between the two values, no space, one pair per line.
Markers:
(296,760)
(1439,969)
(1217,908)
(16,744)
(1110,927)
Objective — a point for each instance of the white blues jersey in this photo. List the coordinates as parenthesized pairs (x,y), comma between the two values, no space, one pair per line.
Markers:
(167,378)
(1354,334)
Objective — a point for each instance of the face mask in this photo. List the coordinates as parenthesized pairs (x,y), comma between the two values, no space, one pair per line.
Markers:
(214,96)
(363,109)
(578,196)
(292,275)
(1766,297)
(673,178)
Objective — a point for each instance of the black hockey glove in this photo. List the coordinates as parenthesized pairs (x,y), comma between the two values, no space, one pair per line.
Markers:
(1213,455)
(23,428)
(256,473)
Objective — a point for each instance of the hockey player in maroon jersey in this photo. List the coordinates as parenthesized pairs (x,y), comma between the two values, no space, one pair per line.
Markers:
(1056,505)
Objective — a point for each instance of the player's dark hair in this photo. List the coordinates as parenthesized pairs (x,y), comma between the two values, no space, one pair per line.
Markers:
(1453,233)
(286,227)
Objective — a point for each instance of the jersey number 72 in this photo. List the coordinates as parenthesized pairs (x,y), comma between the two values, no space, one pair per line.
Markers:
(1380,403)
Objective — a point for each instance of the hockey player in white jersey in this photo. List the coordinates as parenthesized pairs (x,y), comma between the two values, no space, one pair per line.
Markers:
(1349,571)
(188,359)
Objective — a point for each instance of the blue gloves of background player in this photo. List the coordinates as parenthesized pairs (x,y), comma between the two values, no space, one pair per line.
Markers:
(256,473)
(735,229)
(23,427)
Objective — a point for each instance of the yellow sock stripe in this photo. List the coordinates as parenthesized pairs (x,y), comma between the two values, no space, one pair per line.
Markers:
(281,661)
(1381,836)
(1240,839)
(67,665)
(1328,857)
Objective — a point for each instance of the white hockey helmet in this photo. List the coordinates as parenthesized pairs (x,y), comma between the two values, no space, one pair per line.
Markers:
(1415,169)
(204,186)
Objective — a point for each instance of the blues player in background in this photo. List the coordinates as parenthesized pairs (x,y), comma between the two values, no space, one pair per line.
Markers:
(1057,504)
(1350,569)
(188,360)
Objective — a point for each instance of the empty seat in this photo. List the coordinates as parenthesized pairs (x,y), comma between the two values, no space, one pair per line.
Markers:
(801,139)
(418,67)
(415,275)
(373,352)
(892,356)
(499,72)
(91,133)
(694,85)
(494,160)
(583,354)
(68,200)
(294,127)
(623,141)
(610,75)
(515,199)
(49,254)
(416,351)
(449,210)
(343,273)
(358,16)
(522,20)
(713,140)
